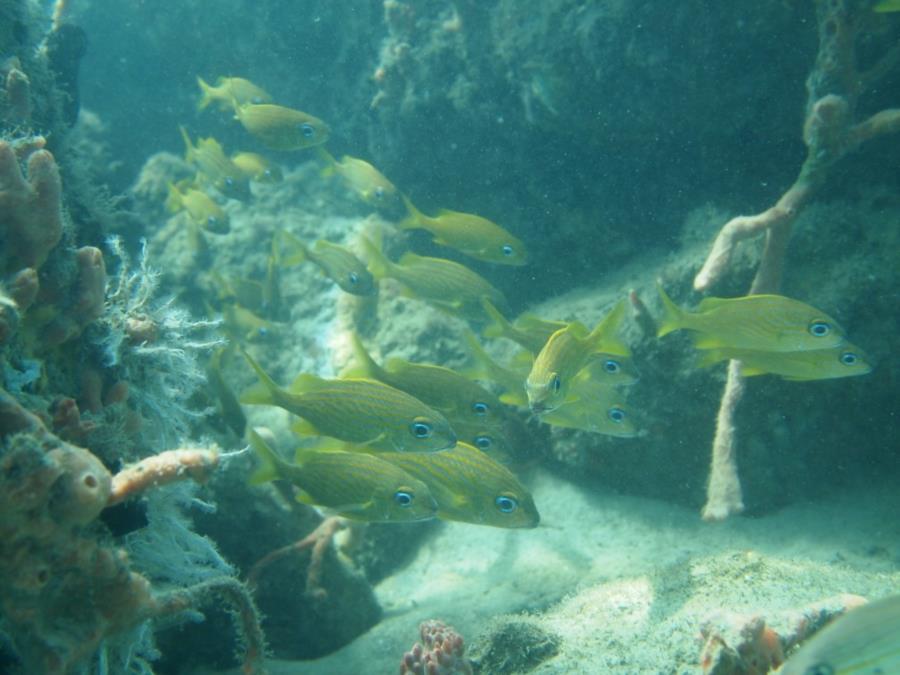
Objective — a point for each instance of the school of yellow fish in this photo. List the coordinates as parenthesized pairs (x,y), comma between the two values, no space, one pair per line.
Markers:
(405,441)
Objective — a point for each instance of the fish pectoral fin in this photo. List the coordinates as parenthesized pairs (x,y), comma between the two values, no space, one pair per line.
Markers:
(513,398)
(380,438)
(359,507)
(303,497)
(304,428)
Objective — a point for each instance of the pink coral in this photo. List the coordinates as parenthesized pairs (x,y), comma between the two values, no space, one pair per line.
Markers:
(441,652)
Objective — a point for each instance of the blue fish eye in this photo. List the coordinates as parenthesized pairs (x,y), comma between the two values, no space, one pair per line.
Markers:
(616,414)
(354,278)
(212,220)
(849,358)
(421,430)
(262,331)
(256,100)
(403,498)
(307,130)
(483,442)
(229,181)
(267,173)
(506,504)
(480,408)
(507,250)
(819,328)
(379,192)
(611,366)
(556,383)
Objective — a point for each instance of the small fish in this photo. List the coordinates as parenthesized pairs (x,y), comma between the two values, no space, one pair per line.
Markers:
(244,325)
(864,641)
(280,128)
(352,484)
(199,206)
(214,166)
(338,263)
(844,361)
(363,179)
(355,410)
(229,406)
(470,487)
(443,283)
(771,323)
(595,408)
(886,6)
(441,388)
(246,292)
(228,89)
(568,351)
(528,331)
(256,167)
(473,235)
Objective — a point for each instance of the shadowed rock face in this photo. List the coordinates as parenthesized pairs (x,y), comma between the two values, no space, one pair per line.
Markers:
(66,46)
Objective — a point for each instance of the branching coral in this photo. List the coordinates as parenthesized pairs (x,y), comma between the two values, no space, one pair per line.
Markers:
(441,652)
(62,590)
(830,132)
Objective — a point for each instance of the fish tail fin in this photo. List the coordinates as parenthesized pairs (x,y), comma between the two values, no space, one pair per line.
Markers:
(379,265)
(414,218)
(269,461)
(604,337)
(174,201)
(366,365)
(673,316)
(295,253)
(265,391)
(188,145)
(206,94)
(480,370)
(499,326)
(328,158)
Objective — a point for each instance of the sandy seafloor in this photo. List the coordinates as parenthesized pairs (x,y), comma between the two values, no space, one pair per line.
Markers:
(627,582)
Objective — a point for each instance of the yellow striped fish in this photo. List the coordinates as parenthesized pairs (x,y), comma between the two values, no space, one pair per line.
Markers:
(844,361)
(568,351)
(771,323)
(528,331)
(443,283)
(280,128)
(214,167)
(511,381)
(337,263)
(199,206)
(354,485)
(470,487)
(256,167)
(228,89)
(355,410)
(441,388)
(364,179)
(596,408)
(473,235)
(864,641)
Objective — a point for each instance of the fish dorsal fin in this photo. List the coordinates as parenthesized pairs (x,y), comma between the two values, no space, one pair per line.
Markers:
(409,258)
(578,330)
(306,382)
(707,304)
(395,364)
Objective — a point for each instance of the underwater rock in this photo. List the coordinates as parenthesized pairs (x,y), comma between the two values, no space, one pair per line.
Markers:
(66,46)
(513,646)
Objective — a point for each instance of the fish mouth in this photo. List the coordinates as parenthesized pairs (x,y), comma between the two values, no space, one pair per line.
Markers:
(538,407)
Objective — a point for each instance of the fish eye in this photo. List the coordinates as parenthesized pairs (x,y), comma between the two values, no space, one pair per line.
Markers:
(307,130)
(229,181)
(611,366)
(556,383)
(354,278)
(483,442)
(819,669)
(262,331)
(421,430)
(379,192)
(480,408)
(507,250)
(212,220)
(849,358)
(506,504)
(616,414)
(267,173)
(256,100)
(819,328)
(403,498)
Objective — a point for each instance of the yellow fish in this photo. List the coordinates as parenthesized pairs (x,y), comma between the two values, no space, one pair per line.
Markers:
(443,283)
(771,323)
(568,351)
(338,263)
(495,441)
(473,235)
(441,388)
(596,408)
(864,641)
(844,361)
(354,485)
(528,331)
(886,6)
(214,166)
(363,179)
(511,381)
(256,167)
(470,487)
(242,324)
(280,128)
(199,206)
(228,89)
(355,410)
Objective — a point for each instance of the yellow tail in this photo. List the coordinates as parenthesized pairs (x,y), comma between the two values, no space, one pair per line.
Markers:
(499,326)
(330,162)
(673,316)
(264,392)
(379,265)
(604,336)
(269,461)
(206,95)
(414,219)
